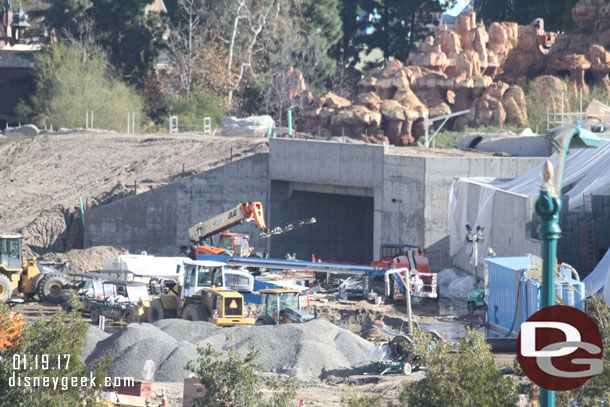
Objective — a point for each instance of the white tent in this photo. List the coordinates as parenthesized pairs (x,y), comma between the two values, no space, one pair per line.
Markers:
(585,171)
(598,281)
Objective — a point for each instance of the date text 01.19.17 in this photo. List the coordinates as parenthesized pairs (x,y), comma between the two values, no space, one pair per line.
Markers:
(41,362)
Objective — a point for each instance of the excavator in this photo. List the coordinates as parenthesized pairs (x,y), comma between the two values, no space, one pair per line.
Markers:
(230,243)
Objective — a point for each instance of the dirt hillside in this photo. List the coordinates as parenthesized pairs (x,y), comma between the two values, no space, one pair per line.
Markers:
(42,178)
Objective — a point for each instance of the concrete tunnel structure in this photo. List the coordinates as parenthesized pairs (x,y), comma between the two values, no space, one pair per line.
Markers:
(361,195)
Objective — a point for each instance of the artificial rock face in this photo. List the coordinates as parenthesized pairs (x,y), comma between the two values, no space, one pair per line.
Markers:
(470,67)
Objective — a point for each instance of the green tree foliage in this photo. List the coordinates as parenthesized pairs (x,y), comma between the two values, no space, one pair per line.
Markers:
(322,22)
(596,392)
(121,27)
(468,378)
(67,87)
(238,382)
(396,26)
(353,399)
(557,14)
(63,336)
(199,104)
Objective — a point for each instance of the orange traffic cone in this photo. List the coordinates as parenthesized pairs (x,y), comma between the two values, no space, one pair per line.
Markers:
(164,401)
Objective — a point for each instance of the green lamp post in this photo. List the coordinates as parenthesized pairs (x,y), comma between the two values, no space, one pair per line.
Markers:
(548,208)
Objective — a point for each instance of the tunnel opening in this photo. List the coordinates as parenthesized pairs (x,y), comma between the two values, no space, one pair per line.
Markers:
(343,230)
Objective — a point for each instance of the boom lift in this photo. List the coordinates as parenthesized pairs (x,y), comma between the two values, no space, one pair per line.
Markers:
(237,244)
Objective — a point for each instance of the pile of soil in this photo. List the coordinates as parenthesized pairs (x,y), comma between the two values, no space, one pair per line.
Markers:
(43,178)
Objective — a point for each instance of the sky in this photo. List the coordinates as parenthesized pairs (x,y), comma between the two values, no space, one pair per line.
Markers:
(459,5)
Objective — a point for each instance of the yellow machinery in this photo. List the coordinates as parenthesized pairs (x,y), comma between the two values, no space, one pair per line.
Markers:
(281,306)
(19,276)
(202,297)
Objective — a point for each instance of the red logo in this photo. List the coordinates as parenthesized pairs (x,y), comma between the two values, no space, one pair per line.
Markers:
(560,348)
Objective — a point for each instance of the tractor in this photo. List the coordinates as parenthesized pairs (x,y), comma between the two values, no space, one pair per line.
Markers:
(284,303)
(19,276)
(201,295)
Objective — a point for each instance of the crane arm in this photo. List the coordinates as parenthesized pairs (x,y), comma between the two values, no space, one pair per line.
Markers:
(244,212)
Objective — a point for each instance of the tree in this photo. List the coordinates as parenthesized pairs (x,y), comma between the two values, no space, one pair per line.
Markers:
(322,28)
(186,42)
(61,339)
(468,378)
(67,87)
(122,29)
(238,382)
(353,399)
(557,14)
(596,391)
(395,26)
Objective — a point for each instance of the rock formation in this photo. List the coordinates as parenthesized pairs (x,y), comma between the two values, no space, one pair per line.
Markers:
(469,67)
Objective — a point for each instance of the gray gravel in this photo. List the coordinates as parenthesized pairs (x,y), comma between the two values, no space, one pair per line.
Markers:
(162,350)
(94,335)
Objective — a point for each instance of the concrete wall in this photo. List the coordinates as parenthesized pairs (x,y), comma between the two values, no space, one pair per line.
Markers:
(509,233)
(359,191)
(439,174)
(157,221)
(402,200)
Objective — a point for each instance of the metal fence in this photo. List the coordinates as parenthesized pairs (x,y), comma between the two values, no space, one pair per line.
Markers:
(176,128)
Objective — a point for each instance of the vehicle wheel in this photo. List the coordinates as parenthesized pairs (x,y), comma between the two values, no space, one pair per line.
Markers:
(158,312)
(407,369)
(6,288)
(95,315)
(195,312)
(264,320)
(50,287)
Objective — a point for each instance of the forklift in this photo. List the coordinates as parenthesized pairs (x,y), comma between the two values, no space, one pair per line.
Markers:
(281,306)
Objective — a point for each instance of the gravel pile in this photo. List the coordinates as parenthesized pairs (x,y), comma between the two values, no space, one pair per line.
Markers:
(94,335)
(162,350)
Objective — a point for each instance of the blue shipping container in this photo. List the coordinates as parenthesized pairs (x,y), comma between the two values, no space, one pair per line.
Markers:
(514,291)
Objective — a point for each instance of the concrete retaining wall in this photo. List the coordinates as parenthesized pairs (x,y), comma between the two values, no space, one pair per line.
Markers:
(364,196)
(157,221)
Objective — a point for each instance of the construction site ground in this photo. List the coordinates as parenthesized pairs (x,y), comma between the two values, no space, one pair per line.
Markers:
(447,317)
(43,178)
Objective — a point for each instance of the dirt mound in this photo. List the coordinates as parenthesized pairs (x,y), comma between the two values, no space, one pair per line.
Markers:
(85,259)
(43,178)
(306,350)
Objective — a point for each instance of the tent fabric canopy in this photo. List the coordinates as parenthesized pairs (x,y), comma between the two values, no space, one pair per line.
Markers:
(586,171)
(597,282)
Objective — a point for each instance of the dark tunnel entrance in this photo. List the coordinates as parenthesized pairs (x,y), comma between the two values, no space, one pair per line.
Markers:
(343,231)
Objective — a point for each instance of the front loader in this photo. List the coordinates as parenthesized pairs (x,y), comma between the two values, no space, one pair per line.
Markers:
(201,296)
(22,277)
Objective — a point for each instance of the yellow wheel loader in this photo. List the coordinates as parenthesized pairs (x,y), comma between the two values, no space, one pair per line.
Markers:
(21,277)
(201,297)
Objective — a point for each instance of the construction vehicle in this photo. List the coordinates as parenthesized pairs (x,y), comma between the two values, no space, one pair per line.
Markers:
(281,306)
(235,244)
(423,282)
(19,276)
(201,296)
(118,300)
